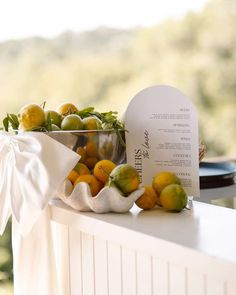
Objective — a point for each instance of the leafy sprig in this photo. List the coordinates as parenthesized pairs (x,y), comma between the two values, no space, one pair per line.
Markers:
(10,121)
(109,120)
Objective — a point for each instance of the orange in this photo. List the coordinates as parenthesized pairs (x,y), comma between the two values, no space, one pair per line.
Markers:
(81,169)
(94,184)
(66,108)
(148,199)
(90,162)
(173,198)
(162,179)
(109,149)
(91,149)
(73,175)
(102,170)
(81,151)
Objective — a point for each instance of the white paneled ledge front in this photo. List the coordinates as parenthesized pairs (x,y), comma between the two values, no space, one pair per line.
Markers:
(192,252)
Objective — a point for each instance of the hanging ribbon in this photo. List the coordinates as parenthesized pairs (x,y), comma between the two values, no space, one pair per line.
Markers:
(32,167)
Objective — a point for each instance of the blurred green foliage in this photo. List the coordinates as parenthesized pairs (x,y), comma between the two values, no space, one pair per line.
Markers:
(107,67)
(6,264)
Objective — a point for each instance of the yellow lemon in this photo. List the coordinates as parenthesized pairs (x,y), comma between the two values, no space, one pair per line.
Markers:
(92,123)
(162,179)
(31,116)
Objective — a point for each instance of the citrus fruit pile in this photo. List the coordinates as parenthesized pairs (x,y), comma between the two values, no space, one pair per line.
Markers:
(166,191)
(106,173)
(67,116)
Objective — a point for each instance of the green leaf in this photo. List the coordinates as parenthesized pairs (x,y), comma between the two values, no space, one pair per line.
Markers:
(6,123)
(13,120)
(48,124)
(87,112)
(43,105)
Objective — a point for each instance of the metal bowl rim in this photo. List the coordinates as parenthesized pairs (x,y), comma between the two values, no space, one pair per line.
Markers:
(85,131)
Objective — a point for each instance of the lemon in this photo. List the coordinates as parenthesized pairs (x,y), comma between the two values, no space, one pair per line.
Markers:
(124,177)
(173,198)
(72,122)
(66,108)
(31,116)
(55,117)
(55,128)
(92,123)
(162,179)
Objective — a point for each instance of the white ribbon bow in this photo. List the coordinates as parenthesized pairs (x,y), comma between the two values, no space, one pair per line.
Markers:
(32,167)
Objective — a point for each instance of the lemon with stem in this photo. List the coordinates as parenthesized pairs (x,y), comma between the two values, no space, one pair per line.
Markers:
(31,116)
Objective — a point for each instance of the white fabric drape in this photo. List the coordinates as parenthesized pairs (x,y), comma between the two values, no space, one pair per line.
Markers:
(34,262)
(32,168)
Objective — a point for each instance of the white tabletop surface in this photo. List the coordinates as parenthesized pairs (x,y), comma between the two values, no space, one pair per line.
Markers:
(206,195)
(206,228)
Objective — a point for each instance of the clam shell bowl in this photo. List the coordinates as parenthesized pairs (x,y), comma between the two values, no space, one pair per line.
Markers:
(107,200)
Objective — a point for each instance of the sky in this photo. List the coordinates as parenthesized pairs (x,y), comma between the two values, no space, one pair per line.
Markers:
(48,18)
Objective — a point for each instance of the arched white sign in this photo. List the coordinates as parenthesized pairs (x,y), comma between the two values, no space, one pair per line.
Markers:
(162,135)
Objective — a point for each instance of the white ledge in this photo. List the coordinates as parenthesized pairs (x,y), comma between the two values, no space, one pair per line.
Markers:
(204,234)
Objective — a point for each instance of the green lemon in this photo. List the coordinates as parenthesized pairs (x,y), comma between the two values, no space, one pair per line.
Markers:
(72,122)
(173,198)
(125,178)
(162,179)
(55,127)
(55,117)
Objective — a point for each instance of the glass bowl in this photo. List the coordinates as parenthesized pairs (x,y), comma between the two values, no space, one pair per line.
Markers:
(94,145)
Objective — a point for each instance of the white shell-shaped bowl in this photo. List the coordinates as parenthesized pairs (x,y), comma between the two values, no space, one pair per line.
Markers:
(108,199)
